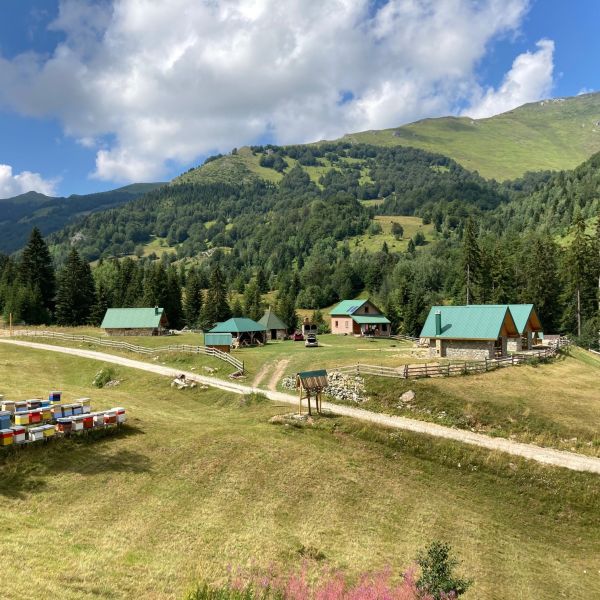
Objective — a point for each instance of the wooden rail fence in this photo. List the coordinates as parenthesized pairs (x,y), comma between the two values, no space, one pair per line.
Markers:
(146,350)
(448,369)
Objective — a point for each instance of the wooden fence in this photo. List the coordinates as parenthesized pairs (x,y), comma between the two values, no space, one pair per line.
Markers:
(448,369)
(146,350)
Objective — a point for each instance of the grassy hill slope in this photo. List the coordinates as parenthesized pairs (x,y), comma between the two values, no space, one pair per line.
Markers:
(549,135)
(200,482)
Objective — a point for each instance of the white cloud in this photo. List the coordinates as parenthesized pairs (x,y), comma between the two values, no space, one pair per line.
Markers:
(530,79)
(149,81)
(25,181)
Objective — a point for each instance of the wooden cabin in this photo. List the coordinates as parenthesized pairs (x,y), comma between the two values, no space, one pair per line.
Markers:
(243,331)
(135,321)
(359,317)
(474,332)
(275,328)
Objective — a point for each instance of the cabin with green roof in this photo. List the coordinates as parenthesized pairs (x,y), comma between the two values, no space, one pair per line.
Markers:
(474,332)
(275,328)
(243,331)
(135,321)
(359,317)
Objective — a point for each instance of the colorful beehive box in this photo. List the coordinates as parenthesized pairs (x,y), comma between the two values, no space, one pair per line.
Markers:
(54,397)
(98,419)
(77,423)
(64,425)
(121,416)
(46,413)
(35,416)
(110,417)
(48,430)
(36,434)
(88,421)
(77,408)
(5,416)
(8,405)
(34,404)
(57,411)
(22,418)
(21,406)
(67,410)
(86,404)
(6,437)
(18,434)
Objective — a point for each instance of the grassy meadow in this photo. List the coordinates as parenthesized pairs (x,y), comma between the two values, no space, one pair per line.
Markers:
(199,481)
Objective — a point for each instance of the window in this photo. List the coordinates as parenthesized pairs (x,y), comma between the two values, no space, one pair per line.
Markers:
(347,324)
(384,327)
(366,309)
(336,324)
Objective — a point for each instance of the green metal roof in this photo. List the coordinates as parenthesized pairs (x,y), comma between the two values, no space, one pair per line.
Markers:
(271,321)
(370,320)
(521,314)
(132,318)
(318,373)
(474,322)
(237,325)
(346,307)
(217,339)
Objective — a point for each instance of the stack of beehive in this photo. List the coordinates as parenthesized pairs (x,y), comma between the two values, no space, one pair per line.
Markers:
(36,420)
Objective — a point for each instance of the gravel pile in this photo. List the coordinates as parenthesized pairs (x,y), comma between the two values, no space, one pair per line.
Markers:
(340,386)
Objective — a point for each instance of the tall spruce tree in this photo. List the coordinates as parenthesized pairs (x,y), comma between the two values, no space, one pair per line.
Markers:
(193,301)
(172,304)
(216,307)
(75,294)
(471,259)
(253,307)
(36,270)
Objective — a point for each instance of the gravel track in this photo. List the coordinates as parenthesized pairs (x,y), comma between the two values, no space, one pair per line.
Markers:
(560,458)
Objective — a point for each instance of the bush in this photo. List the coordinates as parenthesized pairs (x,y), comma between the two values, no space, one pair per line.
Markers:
(103,376)
(437,577)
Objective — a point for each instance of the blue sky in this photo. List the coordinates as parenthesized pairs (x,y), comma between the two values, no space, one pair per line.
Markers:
(75,128)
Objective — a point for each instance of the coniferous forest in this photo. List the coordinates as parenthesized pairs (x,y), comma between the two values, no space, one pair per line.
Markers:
(235,239)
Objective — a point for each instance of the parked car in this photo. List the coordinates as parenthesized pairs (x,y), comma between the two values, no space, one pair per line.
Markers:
(297,337)
(311,341)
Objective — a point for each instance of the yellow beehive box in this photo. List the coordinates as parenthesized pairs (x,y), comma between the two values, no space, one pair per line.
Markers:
(22,418)
(49,431)
(6,437)
(46,413)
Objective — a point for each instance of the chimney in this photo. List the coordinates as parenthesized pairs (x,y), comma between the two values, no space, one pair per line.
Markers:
(156,310)
(438,322)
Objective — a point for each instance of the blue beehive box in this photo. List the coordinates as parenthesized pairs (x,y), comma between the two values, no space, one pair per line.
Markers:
(5,419)
(54,397)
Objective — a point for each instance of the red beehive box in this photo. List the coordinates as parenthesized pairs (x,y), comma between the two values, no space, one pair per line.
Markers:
(35,416)
(88,422)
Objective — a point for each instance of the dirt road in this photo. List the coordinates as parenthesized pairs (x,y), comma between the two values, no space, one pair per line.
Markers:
(560,458)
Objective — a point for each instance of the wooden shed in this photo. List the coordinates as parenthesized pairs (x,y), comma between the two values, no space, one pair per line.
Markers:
(135,321)
(219,341)
(276,329)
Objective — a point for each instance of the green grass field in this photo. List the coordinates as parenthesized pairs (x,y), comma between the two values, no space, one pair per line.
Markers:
(554,135)
(200,481)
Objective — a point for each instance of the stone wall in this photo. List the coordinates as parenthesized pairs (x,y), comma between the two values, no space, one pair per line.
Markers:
(461,349)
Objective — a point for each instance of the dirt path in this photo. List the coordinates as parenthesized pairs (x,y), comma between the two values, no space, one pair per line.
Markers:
(261,374)
(560,458)
(278,373)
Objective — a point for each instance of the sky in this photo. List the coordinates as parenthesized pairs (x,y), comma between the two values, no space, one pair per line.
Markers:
(95,94)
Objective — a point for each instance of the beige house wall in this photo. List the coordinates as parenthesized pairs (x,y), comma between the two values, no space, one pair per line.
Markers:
(341,325)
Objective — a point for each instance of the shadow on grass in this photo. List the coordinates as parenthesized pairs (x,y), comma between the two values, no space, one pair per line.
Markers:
(28,469)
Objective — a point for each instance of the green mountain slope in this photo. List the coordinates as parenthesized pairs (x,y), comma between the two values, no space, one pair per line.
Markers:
(18,215)
(549,135)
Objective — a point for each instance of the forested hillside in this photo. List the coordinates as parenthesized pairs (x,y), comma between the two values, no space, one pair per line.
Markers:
(19,214)
(234,235)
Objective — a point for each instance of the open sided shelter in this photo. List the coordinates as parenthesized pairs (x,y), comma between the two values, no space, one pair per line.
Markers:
(477,331)
(275,328)
(243,331)
(528,325)
(359,317)
(311,384)
(135,321)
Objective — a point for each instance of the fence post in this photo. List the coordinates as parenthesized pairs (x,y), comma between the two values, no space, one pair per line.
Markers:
(513,360)
(406,371)
(486,365)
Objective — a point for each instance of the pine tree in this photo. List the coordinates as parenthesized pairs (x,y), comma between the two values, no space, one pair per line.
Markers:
(75,294)
(216,307)
(193,301)
(172,303)
(237,309)
(261,281)
(156,287)
(286,310)
(36,269)
(471,259)
(253,307)
(101,306)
